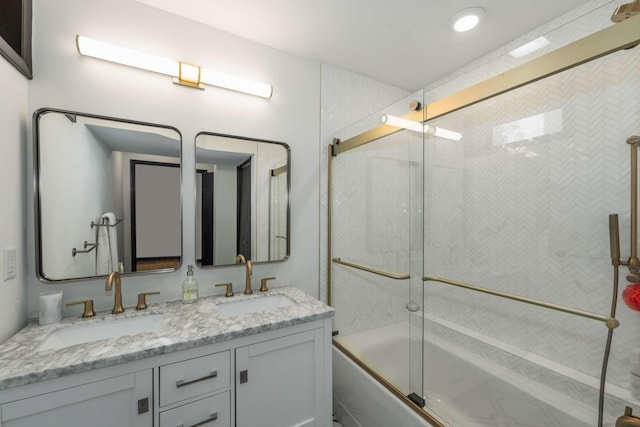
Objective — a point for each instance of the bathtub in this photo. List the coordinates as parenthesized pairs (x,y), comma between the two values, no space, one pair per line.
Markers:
(471,391)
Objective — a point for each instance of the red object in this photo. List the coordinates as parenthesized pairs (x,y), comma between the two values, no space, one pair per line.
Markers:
(631,296)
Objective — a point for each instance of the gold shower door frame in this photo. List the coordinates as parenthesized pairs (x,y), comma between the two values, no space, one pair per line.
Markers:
(614,38)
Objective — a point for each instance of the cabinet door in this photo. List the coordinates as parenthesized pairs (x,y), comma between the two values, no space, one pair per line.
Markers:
(107,403)
(279,383)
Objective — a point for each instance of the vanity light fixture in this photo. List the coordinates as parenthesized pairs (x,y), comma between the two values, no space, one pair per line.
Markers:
(443,133)
(183,73)
(530,47)
(399,122)
(414,126)
(466,19)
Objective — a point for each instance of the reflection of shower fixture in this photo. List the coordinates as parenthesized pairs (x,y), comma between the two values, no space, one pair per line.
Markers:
(626,11)
(414,126)
(634,261)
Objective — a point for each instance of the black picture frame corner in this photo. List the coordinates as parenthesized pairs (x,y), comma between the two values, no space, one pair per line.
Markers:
(20,58)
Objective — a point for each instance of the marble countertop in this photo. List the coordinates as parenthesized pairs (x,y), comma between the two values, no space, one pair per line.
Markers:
(184,326)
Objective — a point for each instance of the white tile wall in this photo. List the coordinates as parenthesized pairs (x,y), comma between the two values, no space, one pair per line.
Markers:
(346,98)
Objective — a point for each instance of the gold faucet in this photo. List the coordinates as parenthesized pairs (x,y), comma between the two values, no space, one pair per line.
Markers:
(240,259)
(117,299)
(628,420)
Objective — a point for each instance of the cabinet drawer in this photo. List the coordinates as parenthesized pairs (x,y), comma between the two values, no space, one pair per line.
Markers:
(213,411)
(189,378)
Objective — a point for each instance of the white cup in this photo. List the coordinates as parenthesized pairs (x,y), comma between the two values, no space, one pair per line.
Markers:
(50,307)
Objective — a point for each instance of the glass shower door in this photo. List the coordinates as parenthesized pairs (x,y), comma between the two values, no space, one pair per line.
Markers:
(520,204)
(376,246)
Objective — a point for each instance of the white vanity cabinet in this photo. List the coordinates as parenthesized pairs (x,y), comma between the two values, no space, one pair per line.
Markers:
(276,378)
(123,401)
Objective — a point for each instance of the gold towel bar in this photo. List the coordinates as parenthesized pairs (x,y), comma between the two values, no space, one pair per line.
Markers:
(609,321)
(91,247)
(373,270)
(106,224)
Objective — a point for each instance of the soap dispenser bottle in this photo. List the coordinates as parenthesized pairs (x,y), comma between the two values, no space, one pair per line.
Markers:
(189,287)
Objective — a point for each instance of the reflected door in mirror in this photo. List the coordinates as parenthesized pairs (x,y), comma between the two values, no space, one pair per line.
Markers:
(155,219)
(244,210)
(250,213)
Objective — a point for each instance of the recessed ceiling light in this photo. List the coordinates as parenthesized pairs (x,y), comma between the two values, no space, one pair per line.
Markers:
(466,19)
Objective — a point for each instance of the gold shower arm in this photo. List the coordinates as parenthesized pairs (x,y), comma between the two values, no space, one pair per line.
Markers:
(388,274)
(609,321)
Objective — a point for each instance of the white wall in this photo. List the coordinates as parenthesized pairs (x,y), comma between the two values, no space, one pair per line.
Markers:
(14,120)
(66,80)
(62,186)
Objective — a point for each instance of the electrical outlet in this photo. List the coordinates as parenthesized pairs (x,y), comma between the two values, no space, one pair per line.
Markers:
(9,263)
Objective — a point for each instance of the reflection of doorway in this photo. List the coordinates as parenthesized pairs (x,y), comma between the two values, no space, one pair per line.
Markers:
(244,209)
(156,224)
(205,211)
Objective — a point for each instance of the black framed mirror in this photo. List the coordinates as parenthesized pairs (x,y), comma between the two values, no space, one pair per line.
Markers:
(108,196)
(242,200)
(15,34)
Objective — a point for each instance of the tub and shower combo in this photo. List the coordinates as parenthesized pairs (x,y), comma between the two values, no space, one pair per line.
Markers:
(474,243)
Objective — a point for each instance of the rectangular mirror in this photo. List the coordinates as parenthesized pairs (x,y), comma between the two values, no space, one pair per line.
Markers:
(107,196)
(242,200)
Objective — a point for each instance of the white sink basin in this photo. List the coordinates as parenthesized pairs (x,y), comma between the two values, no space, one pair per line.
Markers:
(89,332)
(253,305)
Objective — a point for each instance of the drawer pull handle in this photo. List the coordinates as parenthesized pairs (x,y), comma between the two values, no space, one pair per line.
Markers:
(182,383)
(212,418)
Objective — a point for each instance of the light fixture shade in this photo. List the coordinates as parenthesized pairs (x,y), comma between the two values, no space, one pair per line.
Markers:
(185,74)
(530,47)
(447,134)
(414,126)
(227,81)
(466,19)
(399,122)
(124,56)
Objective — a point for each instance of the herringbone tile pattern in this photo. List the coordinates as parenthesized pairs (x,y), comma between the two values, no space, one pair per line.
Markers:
(531,217)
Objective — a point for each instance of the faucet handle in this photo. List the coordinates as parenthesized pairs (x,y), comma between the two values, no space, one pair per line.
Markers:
(88,307)
(628,419)
(142,299)
(229,292)
(263,283)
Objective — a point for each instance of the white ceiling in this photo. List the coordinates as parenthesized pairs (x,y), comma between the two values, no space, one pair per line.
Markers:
(121,137)
(405,43)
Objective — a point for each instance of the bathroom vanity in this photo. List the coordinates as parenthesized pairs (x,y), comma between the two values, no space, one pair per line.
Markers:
(247,361)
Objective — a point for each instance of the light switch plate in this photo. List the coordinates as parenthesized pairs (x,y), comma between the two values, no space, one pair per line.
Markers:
(9,263)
